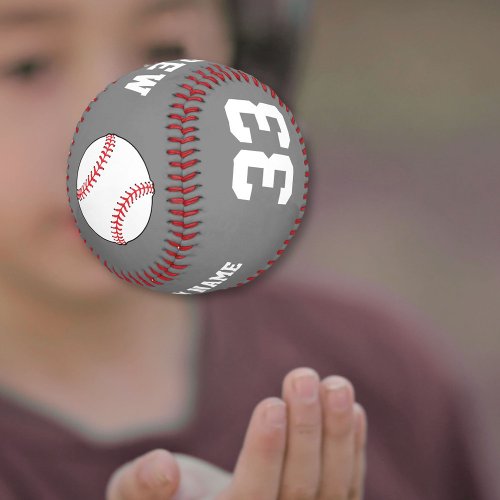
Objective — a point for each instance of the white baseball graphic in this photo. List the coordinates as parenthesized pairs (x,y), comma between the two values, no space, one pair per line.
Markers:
(114,189)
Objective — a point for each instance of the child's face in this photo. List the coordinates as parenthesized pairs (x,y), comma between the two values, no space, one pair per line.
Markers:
(55,56)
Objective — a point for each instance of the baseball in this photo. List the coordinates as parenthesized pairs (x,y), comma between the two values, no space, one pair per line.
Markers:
(187,177)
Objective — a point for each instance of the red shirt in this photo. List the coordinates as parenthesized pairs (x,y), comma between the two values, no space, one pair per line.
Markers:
(420,427)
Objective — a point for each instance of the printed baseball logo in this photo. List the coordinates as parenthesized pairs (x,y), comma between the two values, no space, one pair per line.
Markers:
(114,189)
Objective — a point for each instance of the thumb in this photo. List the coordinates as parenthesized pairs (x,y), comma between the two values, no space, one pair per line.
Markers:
(200,480)
(152,476)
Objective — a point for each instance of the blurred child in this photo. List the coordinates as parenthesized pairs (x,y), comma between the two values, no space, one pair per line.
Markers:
(102,383)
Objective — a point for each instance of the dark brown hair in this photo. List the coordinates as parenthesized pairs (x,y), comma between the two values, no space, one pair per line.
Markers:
(268,36)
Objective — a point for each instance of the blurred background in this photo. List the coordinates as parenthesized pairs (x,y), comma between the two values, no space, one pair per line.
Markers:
(399,102)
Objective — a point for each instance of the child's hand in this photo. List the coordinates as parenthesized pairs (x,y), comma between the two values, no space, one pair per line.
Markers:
(318,453)
(189,478)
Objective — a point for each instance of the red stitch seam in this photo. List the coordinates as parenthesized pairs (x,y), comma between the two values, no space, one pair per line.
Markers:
(106,151)
(137,191)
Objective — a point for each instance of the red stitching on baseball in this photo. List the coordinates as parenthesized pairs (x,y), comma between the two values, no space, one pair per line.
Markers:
(138,191)
(106,151)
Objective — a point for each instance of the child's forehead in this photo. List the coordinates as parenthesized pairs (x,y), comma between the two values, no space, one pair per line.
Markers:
(22,12)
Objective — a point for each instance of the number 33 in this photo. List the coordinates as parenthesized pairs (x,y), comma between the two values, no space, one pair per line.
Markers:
(258,159)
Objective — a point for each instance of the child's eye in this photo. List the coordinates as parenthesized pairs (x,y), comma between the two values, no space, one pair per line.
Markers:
(27,69)
(166,52)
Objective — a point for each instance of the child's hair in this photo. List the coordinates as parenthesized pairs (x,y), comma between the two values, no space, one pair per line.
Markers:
(268,35)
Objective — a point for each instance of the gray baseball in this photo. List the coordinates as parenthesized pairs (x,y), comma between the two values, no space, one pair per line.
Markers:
(187,177)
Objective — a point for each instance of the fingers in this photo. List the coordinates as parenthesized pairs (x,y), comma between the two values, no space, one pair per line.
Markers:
(317,453)
(258,470)
(344,441)
(302,468)
(338,449)
(153,476)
